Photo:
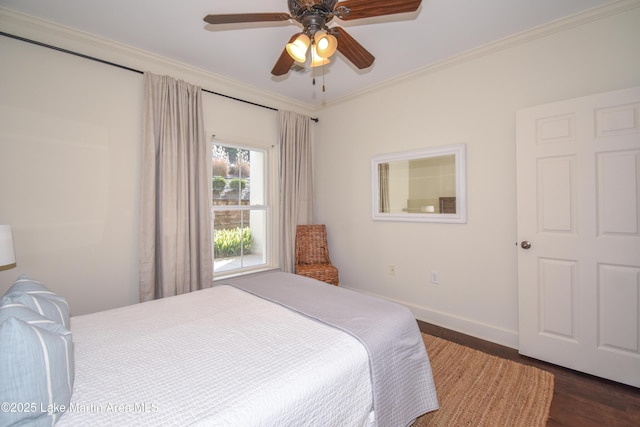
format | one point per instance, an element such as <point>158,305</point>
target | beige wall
<point>70,132</point>
<point>68,172</point>
<point>472,100</point>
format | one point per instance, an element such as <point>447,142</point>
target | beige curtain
<point>296,182</point>
<point>175,211</point>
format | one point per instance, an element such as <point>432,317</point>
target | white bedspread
<point>401,377</point>
<point>216,357</point>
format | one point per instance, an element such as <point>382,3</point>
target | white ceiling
<point>402,43</point>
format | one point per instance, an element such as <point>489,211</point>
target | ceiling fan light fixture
<point>298,48</point>
<point>325,44</point>
<point>317,60</point>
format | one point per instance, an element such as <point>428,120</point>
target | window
<point>241,219</point>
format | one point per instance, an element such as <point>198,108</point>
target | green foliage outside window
<point>229,242</point>
<point>218,183</point>
<point>237,184</point>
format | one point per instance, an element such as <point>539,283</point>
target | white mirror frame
<point>460,216</point>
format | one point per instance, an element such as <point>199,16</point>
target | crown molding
<point>50,33</point>
<point>595,14</point>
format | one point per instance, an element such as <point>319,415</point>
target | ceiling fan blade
<point>237,18</point>
<point>369,8</point>
<point>352,50</point>
<point>285,62</point>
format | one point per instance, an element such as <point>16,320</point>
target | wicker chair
<point>312,254</point>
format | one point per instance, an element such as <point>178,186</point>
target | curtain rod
<point>124,67</point>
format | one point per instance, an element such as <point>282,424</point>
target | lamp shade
<point>298,48</point>
<point>326,44</point>
<point>7,252</point>
<point>317,60</point>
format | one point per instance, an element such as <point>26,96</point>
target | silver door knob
<point>525,244</point>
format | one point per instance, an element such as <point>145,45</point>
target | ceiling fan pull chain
<point>323,77</point>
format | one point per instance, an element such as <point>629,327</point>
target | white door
<point>578,170</point>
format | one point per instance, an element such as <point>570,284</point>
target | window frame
<point>269,207</point>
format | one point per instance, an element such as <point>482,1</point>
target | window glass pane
<point>239,239</point>
<point>238,176</point>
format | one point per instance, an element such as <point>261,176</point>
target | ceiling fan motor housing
<point>313,23</point>
<point>298,8</point>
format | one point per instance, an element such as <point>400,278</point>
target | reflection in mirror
<point>426,185</point>
<point>431,181</point>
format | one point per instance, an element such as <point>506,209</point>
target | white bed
<point>247,353</point>
<point>233,360</point>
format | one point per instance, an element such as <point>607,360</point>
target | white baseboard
<point>465,326</point>
<point>457,323</point>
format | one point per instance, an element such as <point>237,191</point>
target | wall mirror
<point>427,185</point>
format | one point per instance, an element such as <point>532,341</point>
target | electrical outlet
<point>392,270</point>
<point>435,277</point>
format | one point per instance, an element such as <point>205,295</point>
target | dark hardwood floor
<point>579,400</point>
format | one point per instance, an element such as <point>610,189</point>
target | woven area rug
<point>477,389</point>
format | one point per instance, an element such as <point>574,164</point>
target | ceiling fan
<point>324,41</point>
